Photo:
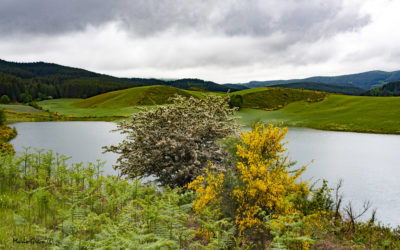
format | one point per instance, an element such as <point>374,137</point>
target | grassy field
<point>65,107</point>
<point>336,112</point>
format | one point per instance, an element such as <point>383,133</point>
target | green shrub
<point>174,143</point>
<point>4,99</point>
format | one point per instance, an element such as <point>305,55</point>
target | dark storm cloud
<point>300,19</point>
<point>52,16</point>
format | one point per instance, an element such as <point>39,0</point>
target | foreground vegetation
<point>45,203</point>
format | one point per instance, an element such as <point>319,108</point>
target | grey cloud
<point>302,19</point>
<point>52,16</point>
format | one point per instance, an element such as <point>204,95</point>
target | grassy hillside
<point>149,95</point>
<point>336,112</point>
<point>347,90</point>
<point>273,98</point>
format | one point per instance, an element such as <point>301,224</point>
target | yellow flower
<point>207,189</point>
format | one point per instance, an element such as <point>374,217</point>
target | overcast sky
<point>223,41</point>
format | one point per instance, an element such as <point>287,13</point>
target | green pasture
<point>336,112</point>
<point>65,107</point>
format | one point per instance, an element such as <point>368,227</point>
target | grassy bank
<point>336,112</point>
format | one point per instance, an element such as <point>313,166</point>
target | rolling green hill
<point>347,90</point>
<point>148,95</point>
<point>273,98</point>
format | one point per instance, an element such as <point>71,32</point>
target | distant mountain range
<point>340,89</point>
<point>39,80</point>
<point>367,80</point>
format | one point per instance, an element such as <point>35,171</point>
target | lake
<point>369,164</point>
<point>81,140</point>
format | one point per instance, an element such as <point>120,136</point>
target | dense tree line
<point>389,89</point>
<point>23,90</point>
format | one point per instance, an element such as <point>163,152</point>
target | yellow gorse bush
<point>6,134</point>
<point>6,148</point>
<point>262,144</point>
<point>266,181</point>
<point>207,189</point>
<point>265,192</point>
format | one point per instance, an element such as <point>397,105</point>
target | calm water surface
<point>369,164</point>
<point>81,140</point>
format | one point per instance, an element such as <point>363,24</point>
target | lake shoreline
<point>117,119</point>
<point>65,112</point>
